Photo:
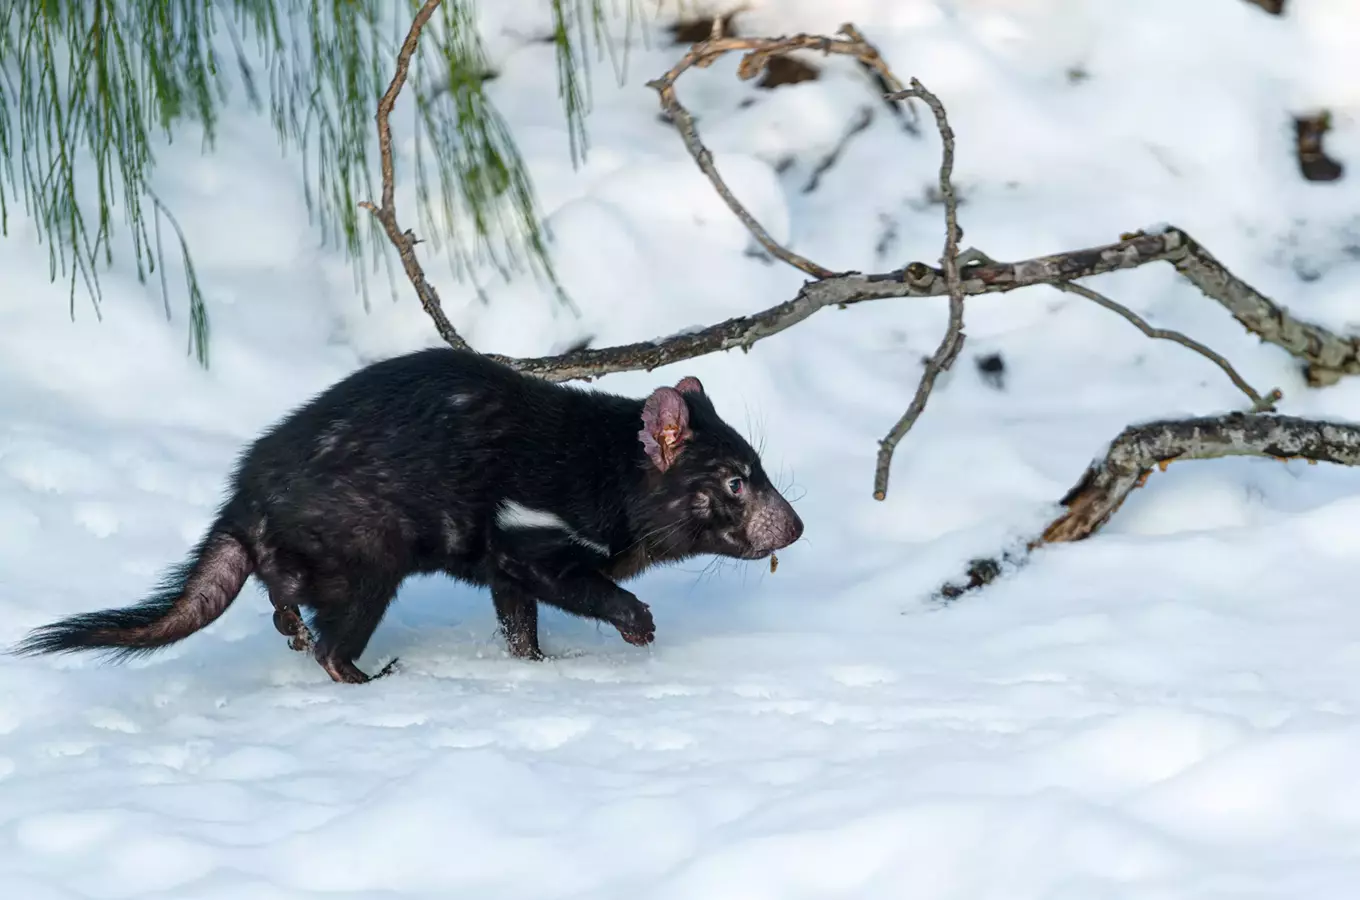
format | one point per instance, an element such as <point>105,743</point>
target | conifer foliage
<point>88,88</point>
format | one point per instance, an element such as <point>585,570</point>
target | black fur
<point>446,461</point>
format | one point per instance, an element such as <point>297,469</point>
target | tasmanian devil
<point>447,461</point>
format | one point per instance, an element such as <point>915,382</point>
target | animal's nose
<point>775,526</point>
<point>790,530</point>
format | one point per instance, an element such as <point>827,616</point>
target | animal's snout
<point>775,526</point>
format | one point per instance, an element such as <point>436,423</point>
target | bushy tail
<point>188,599</point>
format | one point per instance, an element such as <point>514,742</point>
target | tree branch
<point>405,241</point>
<point>1324,350</point>
<point>759,52</point>
<point>873,63</point>
<point>1258,403</point>
<point>1139,449</point>
<point>1329,356</point>
<point>953,339</point>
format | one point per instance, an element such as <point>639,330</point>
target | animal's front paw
<point>638,639</point>
<point>524,646</point>
<point>635,624</point>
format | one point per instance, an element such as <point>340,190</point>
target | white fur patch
<point>517,515</point>
<point>587,542</point>
<point>514,515</point>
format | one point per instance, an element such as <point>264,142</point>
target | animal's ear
<point>689,385</point>
<point>665,426</point>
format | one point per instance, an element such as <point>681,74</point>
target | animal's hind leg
<point>288,622</point>
<point>284,589</point>
<point>348,611</point>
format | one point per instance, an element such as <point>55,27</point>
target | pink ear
<point>689,385</point>
<point>665,426</point>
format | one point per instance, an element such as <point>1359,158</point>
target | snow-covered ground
<point>1170,710</point>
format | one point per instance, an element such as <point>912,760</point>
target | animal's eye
<point>736,486</point>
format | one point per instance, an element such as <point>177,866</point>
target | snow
<point>1168,711</point>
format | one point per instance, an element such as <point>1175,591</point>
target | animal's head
<point>714,496</point>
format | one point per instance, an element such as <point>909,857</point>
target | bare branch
<point>1323,349</point>
<point>405,241</point>
<point>759,52</point>
<point>1329,356</point>
<point>1258,403</point>
<point>1139,449</point>
<point>953,339</point>
<point>872,63</point>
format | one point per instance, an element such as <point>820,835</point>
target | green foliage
<point>85,85</point>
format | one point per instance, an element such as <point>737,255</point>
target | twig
<point>405,241</point>
<point>759,52</point>
<point>1258,403</point>
<point>883,75</point>
<point>1329,356</point>
<point>1139,449</point>
<point>953,339</point>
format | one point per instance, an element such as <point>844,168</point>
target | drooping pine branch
<point>88,88</point>
<point>84,90</point>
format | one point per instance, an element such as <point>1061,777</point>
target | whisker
<point>716,567</point>
<point>706,572</point>
<point>661,530</point>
